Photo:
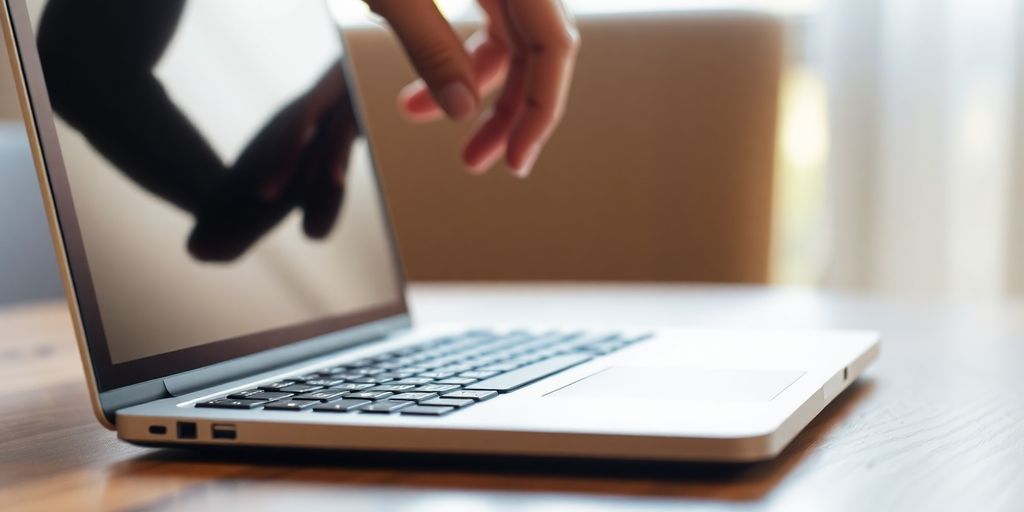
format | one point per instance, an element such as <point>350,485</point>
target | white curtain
<point>926,174</point>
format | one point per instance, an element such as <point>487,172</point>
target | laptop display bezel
<point>108,376</point>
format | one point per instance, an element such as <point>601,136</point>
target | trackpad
<point>741,385</point>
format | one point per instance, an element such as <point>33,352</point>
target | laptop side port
<point>222,431</point>
<point>157,430</point>
<point>186,430</point>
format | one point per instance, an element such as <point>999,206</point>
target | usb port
<point>221,431</point>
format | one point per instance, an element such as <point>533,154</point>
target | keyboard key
<point>344,405</point>
<point>324,395</point>
<point>265,396</point>
<point>416,381</point>
<point>478,375</point>
<point>394,388</point>
<point>529,374</point>
<point>227,403</point>
<point>449,402</point>
<point>300,388</point>
<point>436,375</point>
<point>458,381</point>
<point>372,380</point>
<point>436,388</point>
<point>346,375</point>
<point>385,406</point>
<point>351,386</point>
<point>395,375</point>
<point>369,395</point>
<point>456,368</point>
<point>415,397</point>
<point>291,405</point>
<point>479,396</point>
<point>423,410</point>
<point>308,376</point>
<point>277,386</point>
<point>323,382</point>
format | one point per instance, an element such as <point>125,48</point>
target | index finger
<point>435,51</point>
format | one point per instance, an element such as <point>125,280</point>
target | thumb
<point>435,51</point>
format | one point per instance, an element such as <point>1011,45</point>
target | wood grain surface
<point>937,423</point>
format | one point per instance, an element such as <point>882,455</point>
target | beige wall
<point>8,101</point>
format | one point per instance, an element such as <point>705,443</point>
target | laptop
<point>233,278</point>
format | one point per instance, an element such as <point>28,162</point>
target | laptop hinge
<point>235,369</point>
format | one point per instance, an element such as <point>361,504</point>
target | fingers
<point>488,52</point>
<point>531,45</point>
<point>488,143</point>
<point>550,42</point>
<point>435,51</point>
<point>489,58</point>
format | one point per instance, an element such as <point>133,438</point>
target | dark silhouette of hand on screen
<point>98,59</point>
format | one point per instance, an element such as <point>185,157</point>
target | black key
<point>449,402</point>
<point>351,386</point>
<point>277,386</point>
<point>458,381</point>
<point>394,388</point>
<point>385,406</point>
<point>324,395</point>
<point>528,374</point>
<point>436,388</point>
<point>479,396</point>
<point>343,375</point>
<point>265,396</point>
<point>423,410</point>
<point>372,380</point>
<point>227,403</point>
<point>344,405</point>
<point>415,380</point>
<point>246,393</point>
<point>368,395</point>
<point>415,397</point>
<point>300,388</point>
<point>324,382</point>
<point>478,375</point>
<point>394,375</point>
<point>291,405</point>
<point>436,375</point>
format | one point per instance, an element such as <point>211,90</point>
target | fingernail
<point>457,101</point>
<point>528,162</point>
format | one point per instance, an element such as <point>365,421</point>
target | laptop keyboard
<point>433,378</point>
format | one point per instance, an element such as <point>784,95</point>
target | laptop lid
<point>214,200</point>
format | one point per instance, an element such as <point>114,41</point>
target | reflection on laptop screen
<point>220,182</point>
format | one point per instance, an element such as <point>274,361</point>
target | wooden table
<point>938,423</point>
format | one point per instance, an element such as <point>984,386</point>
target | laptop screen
<point>220,197</point>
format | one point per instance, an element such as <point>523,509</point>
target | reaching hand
<point>528,47</point>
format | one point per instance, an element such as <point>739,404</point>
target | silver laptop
<point>234,280</point>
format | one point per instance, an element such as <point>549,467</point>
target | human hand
<point>528,48</point>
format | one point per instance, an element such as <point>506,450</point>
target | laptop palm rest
<point>682,384</point>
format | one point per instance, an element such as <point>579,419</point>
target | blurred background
<point>864,145</point>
